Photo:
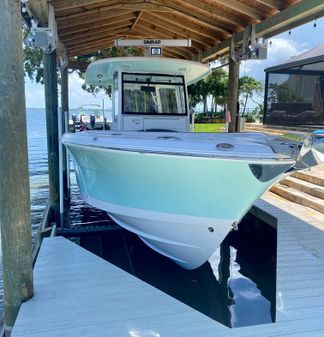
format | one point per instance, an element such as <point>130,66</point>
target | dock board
<point>79,294</point>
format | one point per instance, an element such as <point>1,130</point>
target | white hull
<point>187,240</point>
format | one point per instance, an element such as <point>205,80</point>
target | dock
<point>80,294</point>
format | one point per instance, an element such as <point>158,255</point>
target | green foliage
<point>281,93</point>
<point>215,85</point>
<point>33,61</point>
<point>248,86</point>
<point>250,117</point>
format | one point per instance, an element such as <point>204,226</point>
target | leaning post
<point>51,106</point>
<point>233,83</point>
<point>14,175</point>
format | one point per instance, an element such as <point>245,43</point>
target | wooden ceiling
<point>86,26</point>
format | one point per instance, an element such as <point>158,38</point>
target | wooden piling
<point>233,91</point>
<point>65,111</point>
<point>14,173</point>
<point>51,106</point>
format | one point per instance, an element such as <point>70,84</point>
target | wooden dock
<point>79,294</point>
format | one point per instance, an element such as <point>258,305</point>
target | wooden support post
<point>233,92</point>
<point>14,174</point>
<point>65,110</point>
<point>51,105</point>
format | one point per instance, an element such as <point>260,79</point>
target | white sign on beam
<point>153,42</point>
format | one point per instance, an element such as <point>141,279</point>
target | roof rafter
<point>302,12</point>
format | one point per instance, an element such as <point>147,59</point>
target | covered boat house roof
<point>294,91</point>
<point>86,26</point>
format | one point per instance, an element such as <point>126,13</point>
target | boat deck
<point>80,294</point>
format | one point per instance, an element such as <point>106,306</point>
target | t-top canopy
<point>101,72</point>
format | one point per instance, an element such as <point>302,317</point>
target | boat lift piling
<point>65,119</point>
<point>233,83</point>
<point>51,107</point>
<point>14,173</point>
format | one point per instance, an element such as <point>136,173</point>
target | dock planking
<point>80,294</point>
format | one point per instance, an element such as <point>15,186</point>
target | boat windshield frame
<point>183,99</point>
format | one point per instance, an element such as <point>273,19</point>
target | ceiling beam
<point>91,31</point>
<point>134,5</point>
<point>276,4</point>
<point>102,17</point>
<point>84,27</point>
<point>88,39</point>
<point>91,48</point>
<point>186,26</point>
<point>238,6</point>
<point>155,22</point>
<point>296,15</point>
<point>220,19</point>
<point>92,15</point>
<point>139,14</point>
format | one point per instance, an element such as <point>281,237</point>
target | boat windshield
<point>153,94</point>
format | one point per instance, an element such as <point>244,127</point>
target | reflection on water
<point>236,286</point>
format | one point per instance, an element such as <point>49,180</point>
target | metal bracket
<point>43,37</point>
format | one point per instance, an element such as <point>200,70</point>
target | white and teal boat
<point>181,192</point>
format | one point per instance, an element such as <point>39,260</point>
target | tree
<point>198,93</point>
<point>248,86</point>
<point>218,87</point>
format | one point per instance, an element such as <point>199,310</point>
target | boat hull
<point>181,206</point>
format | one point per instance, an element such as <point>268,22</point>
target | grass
<point>209,127</point>
<point>294,136</point>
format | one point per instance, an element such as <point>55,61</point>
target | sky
<point>282,47</point>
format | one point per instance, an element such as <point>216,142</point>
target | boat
<point>181,192</point>
<point>91,117</point>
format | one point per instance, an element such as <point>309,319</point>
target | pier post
<point>65,111</point>
<point>233,83</point>
<point>14,175</point>
<point>51,106</point>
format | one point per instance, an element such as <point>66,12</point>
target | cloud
<point>279,51</point>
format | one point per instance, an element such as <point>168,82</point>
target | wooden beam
<point>238,6</point>
<point>215,24</point>
<point>157,23</point>
<point>71,4</point>
<point>112,23</point>
<point>187,27</point>
<point>14,174</point>
<point>51,105</point>
<point>65,112</point>
<point>94,30</point>
<point>92,48</point>
<point>39,9</point>
<point>302,12</point>
<point>276,4</point>
<point>233,83</point>
<point>89,38</point>
<point>134,5</point>
<point>139,14</point>
<point>93,20</point>
<point>93,15</point>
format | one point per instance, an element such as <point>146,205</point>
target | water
<point>238,292</point>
